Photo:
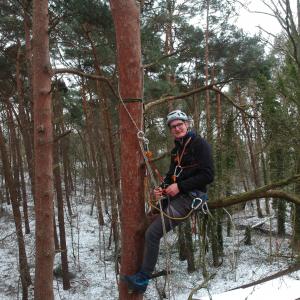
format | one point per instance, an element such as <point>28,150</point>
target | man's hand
<point>172,190</point>
<point>158,191</point>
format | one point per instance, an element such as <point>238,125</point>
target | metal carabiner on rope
<point>196,205</point>
<point>176,174</point>
<point>141,136</point>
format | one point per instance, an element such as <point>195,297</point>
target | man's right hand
<point>158,192</point>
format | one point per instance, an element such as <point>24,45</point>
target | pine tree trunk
<point>23,265</point>
<point>277,169</point>
<point>207,96</point>
<point>64,151</point>
<point>97,176</point>
<point>169,48</point>
<point>23,188</point>
<point>24,121</point>
<point>56,241</point>
<point>13,151</point>
<point>253,160</point>
<point>126,16</point>
<point>296,224</point>
<point>189,249</point>
<point>181,243</point>
<point>213,229</point>
<point>61,219</point>
<point>43,149</point>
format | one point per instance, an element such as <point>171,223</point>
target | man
<point>190,171</point>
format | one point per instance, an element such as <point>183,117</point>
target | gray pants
<point>179,206</point>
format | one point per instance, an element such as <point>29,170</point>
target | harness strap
<point>178,159</point>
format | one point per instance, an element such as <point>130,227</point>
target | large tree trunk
<point>43,149</point>
<point>126,19</point>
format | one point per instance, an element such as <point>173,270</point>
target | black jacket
<point>196,163</point>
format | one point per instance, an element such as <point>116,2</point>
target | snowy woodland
<point>85,86</point>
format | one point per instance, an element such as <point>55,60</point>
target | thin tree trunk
<point>207,98</point>
<point>23,188</point>
<point>56,241</point>
<point>13,152</point>
<point>24,269</point>
<point>91,143</point>
<point>181,243</point>
<point>253,160</point>
<point>189,249</point>
<point>43,149</point>
<point>26,130</point>
<point>61,219</point>
<point>64,150</point>
<point>168,48</point>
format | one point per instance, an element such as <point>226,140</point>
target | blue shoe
<point>137,282</point>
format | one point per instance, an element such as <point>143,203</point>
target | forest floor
<point>92,262</point>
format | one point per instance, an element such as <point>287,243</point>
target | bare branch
<point>262,192</point>
<point>82,74</point>
<point>148,66</point>
<point>211,87</point>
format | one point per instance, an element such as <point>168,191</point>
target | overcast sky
<point>250,21</point>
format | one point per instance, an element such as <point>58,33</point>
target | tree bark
<point>126,17</point>
<point>43,149</point>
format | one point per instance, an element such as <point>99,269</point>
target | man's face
<point>178,128</point>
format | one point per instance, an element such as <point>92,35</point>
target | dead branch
<point>82,74</point>
<point>211,87</point>
<point>61,135</point>
<point>199,287</point>
<point>290,269</point>
<point>261,192</point>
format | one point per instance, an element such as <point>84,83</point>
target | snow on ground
<point>286,287</point>
<point>93,264</point>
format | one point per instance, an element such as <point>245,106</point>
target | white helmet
<point>176,115</point>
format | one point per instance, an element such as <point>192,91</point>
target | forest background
<point>80,79</point>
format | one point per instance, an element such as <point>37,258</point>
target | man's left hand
<point>172,190</point>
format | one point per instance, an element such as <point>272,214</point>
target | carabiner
<point>196,205</point>
<point>175,171</point>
